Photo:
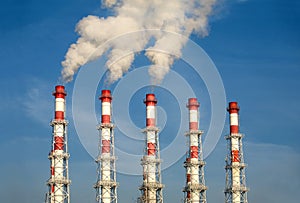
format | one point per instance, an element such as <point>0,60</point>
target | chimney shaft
<point>106,185</point>
<point>151,188</point>
<point>195,184</point>
<point>59,175</point>
<point>236,190</point>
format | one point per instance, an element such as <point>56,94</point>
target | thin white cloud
<point>37,102</point>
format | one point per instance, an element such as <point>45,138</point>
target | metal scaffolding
<point>195,189</point>
<point>59,190</point>
<point>106,185</point>
<point>235,186</point>
<point>151,189</point>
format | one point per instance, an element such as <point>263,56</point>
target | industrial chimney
<point>151,188</point>
<point>235,189</point>
<point>106,186</point>
<point>58,183</point>
<point>195,189</point>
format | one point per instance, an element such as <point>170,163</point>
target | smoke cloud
<point>177,16</point>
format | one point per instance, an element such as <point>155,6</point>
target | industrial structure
<point>58,182</point>
<point>151,189</point>
<point>106,185</point>
<point>195,189</point>
<point>235,189</point>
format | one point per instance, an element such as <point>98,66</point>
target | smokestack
<point>195,189</point>
<point>106,186</point>
<point>151,188</point>
<point>58,183</point>
<point>235,189</point>
<point>233,110</point>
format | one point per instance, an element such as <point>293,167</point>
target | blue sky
<point>255,46</point>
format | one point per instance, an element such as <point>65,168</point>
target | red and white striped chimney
<point>59,95</point>
<point>59,180</point>
<point>152,187</point>
<point>233,110</point>
<point>235,187</point>
<point>106,99</point>
<point>193,106</point>
<point>192,167</point>
<point>105,191</point>
<point>151,122</point>
<point>195,188</point>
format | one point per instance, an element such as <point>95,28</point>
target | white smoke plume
<point>177,16</point>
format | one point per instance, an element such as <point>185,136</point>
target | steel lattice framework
<point>151,189</point>
<point>235,187</point>
<point>195,189</point>
<point>59,191</point>
<point>106,185</point>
